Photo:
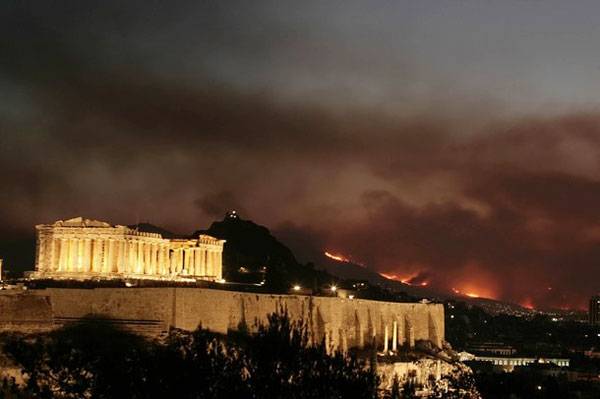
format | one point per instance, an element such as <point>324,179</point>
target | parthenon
<point>81,248</point>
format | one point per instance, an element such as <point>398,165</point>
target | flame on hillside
<point>338,257</point>
<point>527,304</point>
<point>471,293</point>
<point>405,280</point>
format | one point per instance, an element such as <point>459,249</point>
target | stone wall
<point>25,313</point>
<point>343,323</point>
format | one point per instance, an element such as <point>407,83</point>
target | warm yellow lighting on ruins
<point>221,281</point>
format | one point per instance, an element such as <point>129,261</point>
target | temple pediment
<point>80,222</point>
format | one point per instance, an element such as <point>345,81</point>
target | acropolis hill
<point>90,250</point>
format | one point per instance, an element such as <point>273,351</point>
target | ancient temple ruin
<point>82,249</point>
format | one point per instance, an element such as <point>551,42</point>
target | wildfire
<point>390,276</point>
<point>404,280</point>
<point>337,257</point>
<point>470,293</point>
<point>527,304</point>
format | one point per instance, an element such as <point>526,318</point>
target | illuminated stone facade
<point>81,248</point>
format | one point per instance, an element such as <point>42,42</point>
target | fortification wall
<point>25,313</point>
<point>343,323</point>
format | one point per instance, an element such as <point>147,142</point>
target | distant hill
<point>349,270</point>
<point>252,254</point>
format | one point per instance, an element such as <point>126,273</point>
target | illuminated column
<point>192,271</point>
<point>122,257</point>
<point>166,261</point>
<point>146,258</point>
<point>209,262</point>
<point>186,261</point>
<point>105,256</point>
<point>385,339</point>
<point>161,259</point>
<point>395,336</point>
<point>80,245</point>
<point>72,266</point>
<point>180,264</point>
<point>174,260</point>
<point>152,259</point>
<point>170,263</point>
<point>400,332</point>
<point>67,245</point>
<point>131,257</point>
<point>202,270</point>
<point>87,255</point>
<point>94,256</point>
<point>219,265</point>
<point>63,255</point>
<point>197,261</point>
<point>111,256</point>
<point>41,253</point>
<point>139,268</point>
<point>52,264</point>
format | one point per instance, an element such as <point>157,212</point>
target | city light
<point>297,287</point>
<point>333,288</point>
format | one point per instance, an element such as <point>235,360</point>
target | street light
<point>297,287</point>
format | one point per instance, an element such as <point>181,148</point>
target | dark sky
<point>458,141</point>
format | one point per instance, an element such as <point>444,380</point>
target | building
<point>510,362</point>
<point>495,348</point>
<point>594,310</point>
<point>82,249</point>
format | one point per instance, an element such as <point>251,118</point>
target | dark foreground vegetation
<point>96,360</point>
